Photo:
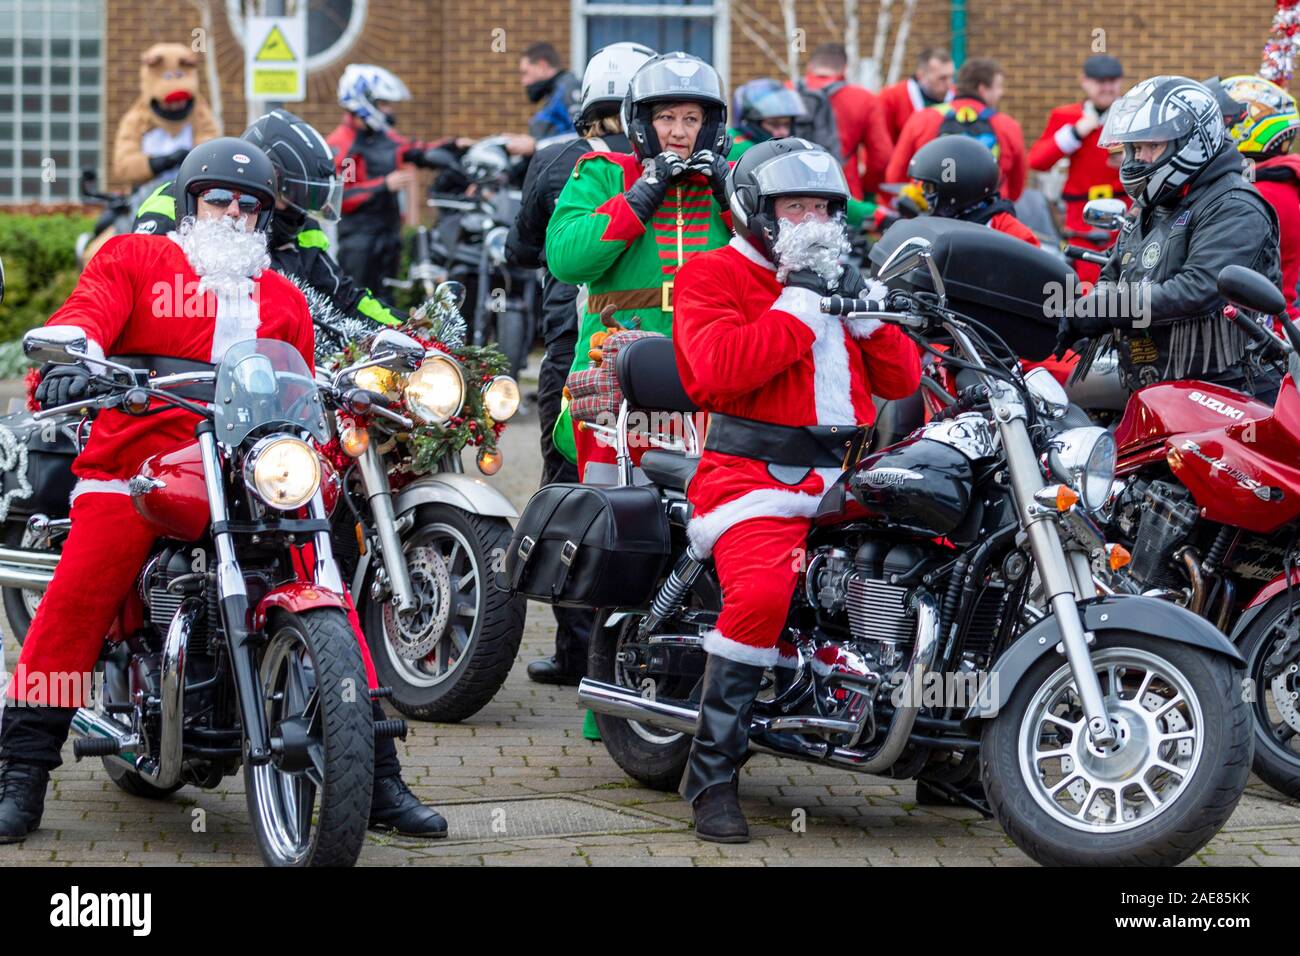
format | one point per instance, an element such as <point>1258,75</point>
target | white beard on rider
<point>222,254</point>
<point>810,246</point>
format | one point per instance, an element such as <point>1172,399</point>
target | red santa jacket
<point>898,102</point>
<point>1091,176</point>
<point>924,126</point>
<point>139,296</point>
<point>749,347</point>
<point>864,137</point>
<point>1283,194</point>
<point>1008,223</point>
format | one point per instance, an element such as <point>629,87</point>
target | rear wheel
<point>311,804</point>
<point>1272,652</point>
<point>19,603</point>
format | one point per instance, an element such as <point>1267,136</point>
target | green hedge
<point>40,262</point>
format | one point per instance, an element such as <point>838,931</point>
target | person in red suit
<point>973,111</point>
<point>859,116</point>
<point>188,297</point>
<point>755,352</point>
<point>1071,134</point>
<point>930,85</point>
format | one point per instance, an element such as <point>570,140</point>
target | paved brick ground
<point>491,774</point>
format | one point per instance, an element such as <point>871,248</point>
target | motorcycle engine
<point>1159,516</point>
<point>173,575</point>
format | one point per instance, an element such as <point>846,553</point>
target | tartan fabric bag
<point>594,395</point>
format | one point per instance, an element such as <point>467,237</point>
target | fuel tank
<point>1167,409</point>
<point>170,493</point>
<point>918,485</point>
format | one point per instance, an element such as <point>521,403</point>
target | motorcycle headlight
<point>436,390</point>
<point>284,472</point>
<point>495,241</point>
<point>376,379</point>
<point>501,397</point>
<point>1085,459</point>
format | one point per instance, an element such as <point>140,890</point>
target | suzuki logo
<point>1214,405</point>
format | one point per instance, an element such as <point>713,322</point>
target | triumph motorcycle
<point>235,650</point>
<point>1105,729</point>
<point>421,558</point>
<point>1208,504</point>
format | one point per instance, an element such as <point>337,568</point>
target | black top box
<point>1011,286</point>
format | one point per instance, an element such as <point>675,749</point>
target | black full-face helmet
<point>674,78</point>
<point>956,173</point>
<point>231,163</point>
<point>780,167</point>
<point>304,164</point>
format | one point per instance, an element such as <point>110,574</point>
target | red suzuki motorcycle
<point>235,648</point>
<point>1210,511</point>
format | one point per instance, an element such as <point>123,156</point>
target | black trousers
<point>572,625</point>
<point>370,253</point>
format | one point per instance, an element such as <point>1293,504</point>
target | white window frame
<point>719,11</point>
<point>315,61</point>
<point>73,144</point>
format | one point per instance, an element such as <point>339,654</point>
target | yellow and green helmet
<point>1271,119</point>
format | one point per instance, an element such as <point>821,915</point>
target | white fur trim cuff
<point>90,486</point>
<point>746,249</point>
<point>716,643</point>
<point>862,328</point>
<point>803,304</point>
<point>1066,141</point>
<point>705,530</point>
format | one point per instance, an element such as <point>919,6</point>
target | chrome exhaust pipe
<point>25,557</point>
<point>29,570</point>
<point>162,769</point>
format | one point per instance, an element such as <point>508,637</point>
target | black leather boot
<point>547,670</point>
<point>30,741</point>
<point>720,745</point>
<point>396,809</point>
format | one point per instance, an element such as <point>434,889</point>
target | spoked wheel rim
<point>288,788</point>
<point>448,580</point>
<point>1160,737</point>
<point>647,732</point>
<point>31,599</point>
<point>1277,692</point>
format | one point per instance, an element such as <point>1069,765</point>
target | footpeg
<point>379,693</point>
<point>95,747</point>
<point>390,728</point>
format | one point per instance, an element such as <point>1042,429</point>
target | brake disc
<point>413,634</point>
<point>1284,689</point>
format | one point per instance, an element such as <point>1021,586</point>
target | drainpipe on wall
<point>957,23</point>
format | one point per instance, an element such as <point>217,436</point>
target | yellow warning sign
<point>275,48</point>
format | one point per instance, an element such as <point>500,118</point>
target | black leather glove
<point>807,279</point>
<point>157,164</point>
<point>647,193</point>
<point>1082,321</point>
<point>715,169</point>
<point>852,282</point>
<point>62,384</point>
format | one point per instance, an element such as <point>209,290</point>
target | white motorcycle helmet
<point>606,78</point>
<point>362,86</point>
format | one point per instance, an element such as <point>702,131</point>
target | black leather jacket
<point>1170,256</point>
<point>547,174</point>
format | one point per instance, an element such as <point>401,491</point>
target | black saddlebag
<point>589,546</point>
<point>49,448</point>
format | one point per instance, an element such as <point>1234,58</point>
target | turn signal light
<point>1117,556</point>
<point>354,441</point>
<point>1059,497</point>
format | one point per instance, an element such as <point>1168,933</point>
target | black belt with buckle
<point>158,366</point>
<point>809,446</point>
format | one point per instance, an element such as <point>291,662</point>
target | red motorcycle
<point>1210,511</point>
<point>235,649</point>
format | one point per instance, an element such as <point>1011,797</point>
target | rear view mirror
<point>60,344</point>
<point>1105,214</point>
<point>1247,289</point>
<point>396,351</point>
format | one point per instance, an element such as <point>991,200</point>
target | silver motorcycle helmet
<point>607,77</point>
<point>1172,109</point>
<point>674,78</point>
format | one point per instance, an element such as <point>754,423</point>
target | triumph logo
<point>890,477</point>
<point>1214,405</point>
<point>75,910</point>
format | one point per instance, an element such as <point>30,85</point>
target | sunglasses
<point>249,205</point>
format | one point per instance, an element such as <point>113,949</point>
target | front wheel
<point>446,660</point>
<point>310,805</point>
<point>1177,768</point>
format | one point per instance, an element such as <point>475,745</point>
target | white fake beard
<point>810,247</point>
<point>225,257</point>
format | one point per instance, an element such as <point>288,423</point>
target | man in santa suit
<point>929,86</point>
<point>1072,132</point>
<point>776,376</point>
<point>179,300</point>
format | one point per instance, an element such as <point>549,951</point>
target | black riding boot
<point>394,807</point>
<point>30,741</point>
<point>721,742</point>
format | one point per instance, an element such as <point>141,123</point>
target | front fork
<point>374,481</point>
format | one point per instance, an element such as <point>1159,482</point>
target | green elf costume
<point>623,225</point>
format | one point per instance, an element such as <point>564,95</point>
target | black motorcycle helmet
<point>780,167</point>
<point>674,78</point>
<point>763,99</point>
<point>233,163</point>
<point>955,172</point>
<point>304,164</point>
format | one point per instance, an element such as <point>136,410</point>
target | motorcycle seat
<point>647,375</point>
<point>669,469</point>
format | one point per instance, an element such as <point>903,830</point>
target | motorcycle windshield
<point>265,382</point>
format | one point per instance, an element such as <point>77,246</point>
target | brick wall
<point>460,57</point>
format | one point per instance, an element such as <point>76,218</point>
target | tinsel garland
<point>437,324</point>
<point>1282,50</point>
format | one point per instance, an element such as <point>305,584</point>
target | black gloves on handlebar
<point>812,281</point>
<point>647,193</point>
<point>63,384</point>
<point>1080,323</point>
<point>159,164</point>
<point>714,168</point>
